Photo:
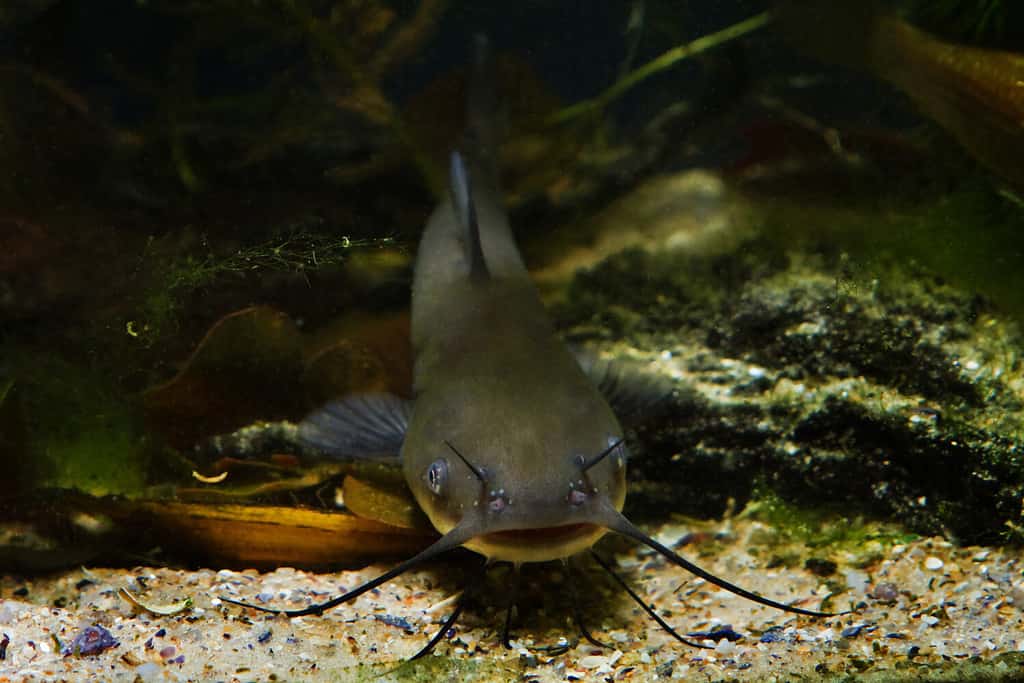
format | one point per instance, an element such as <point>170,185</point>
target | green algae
<point>302,248</point>
<point>1005,667</point>
<point>430,669</point>
<point>79,433</point>
<point>971,236</point>
<point>829,359</point>
<point>825,529</point>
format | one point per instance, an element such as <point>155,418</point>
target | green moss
<point>971,236</point>
<point>1005,667</point>
<point>300,248</point>
<point>823,529</point>
<point>431,669</point>
<point>79,433</point>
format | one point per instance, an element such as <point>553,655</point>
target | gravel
<point>921,609</point>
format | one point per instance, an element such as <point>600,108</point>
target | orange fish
<point>974,93</point>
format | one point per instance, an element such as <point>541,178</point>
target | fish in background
<point>974,93</point>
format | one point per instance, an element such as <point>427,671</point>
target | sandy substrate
<point>924,610</point>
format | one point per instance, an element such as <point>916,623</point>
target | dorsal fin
<point>465,212</point>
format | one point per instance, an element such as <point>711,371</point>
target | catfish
<point>508,446</point>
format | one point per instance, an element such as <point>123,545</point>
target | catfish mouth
<point>541,544</point>
<point>553,534</point>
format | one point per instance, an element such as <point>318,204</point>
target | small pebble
<point>399,622</point>
<point>168,652</point>
<point>885,592</point>
<point>933,564</point>
<point>820,566</point>
<point>91,641</point>
<point>148,672</point>
<point>723,632</point>
<point>593,661</point>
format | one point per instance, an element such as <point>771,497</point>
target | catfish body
<point>493,380</point>
<point>508,446</point>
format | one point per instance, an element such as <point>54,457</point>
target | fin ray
<point>367,426</point>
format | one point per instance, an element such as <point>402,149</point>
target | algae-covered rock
<point>889,393</point>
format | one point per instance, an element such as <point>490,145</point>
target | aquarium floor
<point>925,610</point>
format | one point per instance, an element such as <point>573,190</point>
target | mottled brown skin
<point>493,380</point>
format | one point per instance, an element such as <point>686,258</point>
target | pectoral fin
<point>370,426</point>
<point>631,391</point>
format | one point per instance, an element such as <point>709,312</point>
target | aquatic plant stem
<point>365,83</point>
<point>660,63</point>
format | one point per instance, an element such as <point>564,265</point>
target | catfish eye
<point>436,476</point>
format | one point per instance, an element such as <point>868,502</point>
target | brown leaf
<point>248,366</point>
<point>264,537</point>
<point>389,502</point>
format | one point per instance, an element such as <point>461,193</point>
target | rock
<point>897,397</point>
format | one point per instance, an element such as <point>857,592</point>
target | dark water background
<point>164,165</point>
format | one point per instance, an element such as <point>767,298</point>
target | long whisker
<point>449,541</point>
<point>619,524</point>
<point>477,472</point>
<point>460,604</point>
<point>647,608</point>
<point>513,596</point>
<point>577,612</point>
<point>449,623</point>
<point>601,456</point>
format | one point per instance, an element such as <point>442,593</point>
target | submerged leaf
<point>270,536</point>
<point>360,353</point>
<point>387,501</point>
<point>248,365</point>
<point>255,365</point>
<point>241,489</point>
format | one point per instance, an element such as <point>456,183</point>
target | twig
<point>407,40</point>
<point>660,63</point>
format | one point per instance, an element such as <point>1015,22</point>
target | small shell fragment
<point>162,610</point>
<point>216,479</point>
